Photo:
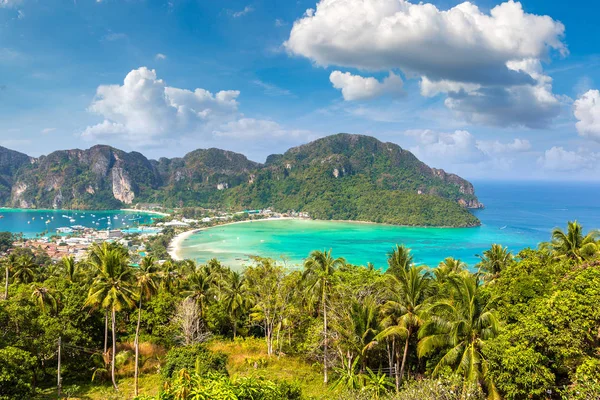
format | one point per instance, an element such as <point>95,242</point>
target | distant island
<point>339,177</point>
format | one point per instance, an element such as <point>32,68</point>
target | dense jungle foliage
<point>514,326</point>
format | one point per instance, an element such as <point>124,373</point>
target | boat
<point>1,216</point>
<point>504,227</point>
<point>71,219</point>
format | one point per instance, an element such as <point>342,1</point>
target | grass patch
<point>248,357</point>
<point>149,384</point>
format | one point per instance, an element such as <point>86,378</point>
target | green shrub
<point>194,358</point>
<point>16,373</point>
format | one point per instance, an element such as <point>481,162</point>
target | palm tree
<point>24,270</point>
<point>235,297</point>
<point>200,285</point>
<point>399,259</point>
<point>460,326</point>
<point>70,267</point>
<point>359,325</point>
<point>44,298</point>
<point>494,260</point>
<point>10,264</point>
<point>446,270</point>
<point>408,297</point>
<point>574,244</point>
<point>147,284</point>
<point>169,276</point>
<point>112,289</point>
<point>319,270</point>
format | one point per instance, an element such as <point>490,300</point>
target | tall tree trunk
<point>405,353</point>
<point>234,325</point>
<point>6,283</point>
<point>396,369</point>
<point>137,348</point>
<point>105,331</point>
<point>114,349</point>
<point>324,338</point>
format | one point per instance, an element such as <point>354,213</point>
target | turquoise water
<point>517,215</point>
<point>33,222</point>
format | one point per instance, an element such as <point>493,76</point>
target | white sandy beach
<point>175,245</point>
<point>145,211</point>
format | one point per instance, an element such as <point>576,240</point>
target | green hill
<point>343,176</point>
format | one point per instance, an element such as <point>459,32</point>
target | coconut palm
<point>319,270</point>
<point>147,285</point>
<point>10,264</point>
<point>44,298</point>
<point>235,296</point>
<point>358,325</point>
<point>460,326</point>
<point>24,270</point>
<point>112,289</point>
<point>574,244</point>
<point>445,271</point>
<point>169,276</point>
<point>399,259</point>
<point>200,285</point>
<point>69,268</point>
<point>408,296</point>
<point>494,260</point>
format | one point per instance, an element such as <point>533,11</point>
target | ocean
<point>516,214</point>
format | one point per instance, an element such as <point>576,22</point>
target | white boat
<point>71,219</point>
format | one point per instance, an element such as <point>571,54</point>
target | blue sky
<point>489,90</point>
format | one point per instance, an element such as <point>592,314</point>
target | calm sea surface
<point>517,215</point>
<point>33,222</point>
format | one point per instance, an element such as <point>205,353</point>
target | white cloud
<point>250,128</point>
<point>279,23</point>
<point>485,62</point>
<point>246,10</point>
<point>532,105</point>
<point>9,3</point>
<point>561,160</point>
<point>356,87</point>
<point>496,147</point>
<point>271,89</point>
<point>587,112</point>
<point>438,148</point>
<point>144,110</point>
<point>45,131</point>
<point>160,56</point>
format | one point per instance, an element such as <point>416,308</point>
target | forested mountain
<point>350,177</point>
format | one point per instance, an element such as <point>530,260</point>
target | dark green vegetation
<point>345,177</point>
<point>525,326</point>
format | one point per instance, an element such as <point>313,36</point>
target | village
<point>75,241</point>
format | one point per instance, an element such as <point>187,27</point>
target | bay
<point>517,215</point>
<point>40,222</point>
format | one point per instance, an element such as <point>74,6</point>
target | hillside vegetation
<point>524,326</point>
<point>345,177</point>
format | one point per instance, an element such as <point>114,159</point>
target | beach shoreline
<point>175,244</point>
<point>162,214</point>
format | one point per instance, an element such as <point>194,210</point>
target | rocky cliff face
<point>100,177</point>
<point>10,162</point>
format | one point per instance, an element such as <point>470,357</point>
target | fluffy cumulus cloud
<point>560,160</point>
<point>587,112</point>
<point>356,87</point>
<point>483,62</point>
<point>145,110</point>
<point>496,147</point>
<point>453,149</point>
<point>440,148</point>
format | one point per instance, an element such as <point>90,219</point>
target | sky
<point>486,89</point>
